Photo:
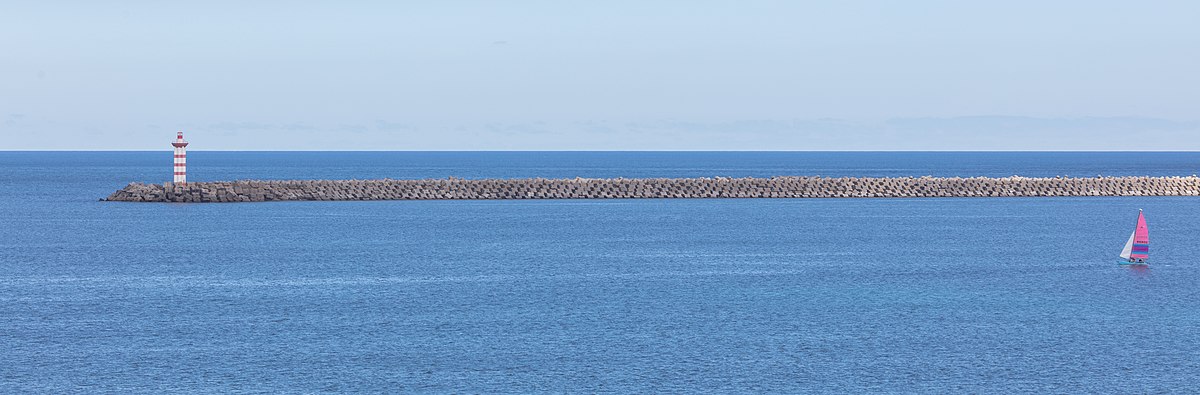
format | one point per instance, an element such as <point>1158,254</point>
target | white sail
<point>1128,247</point>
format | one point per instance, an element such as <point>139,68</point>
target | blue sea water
<point>707,295</point>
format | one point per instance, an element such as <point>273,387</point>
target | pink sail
<point>1141,239</point>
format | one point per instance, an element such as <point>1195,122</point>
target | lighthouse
<point>180,158</point>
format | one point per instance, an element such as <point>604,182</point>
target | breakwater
<point>654,188</point>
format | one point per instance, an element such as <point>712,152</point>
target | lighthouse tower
<point>180,159</point>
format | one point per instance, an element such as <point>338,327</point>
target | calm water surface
<point>769,295</point>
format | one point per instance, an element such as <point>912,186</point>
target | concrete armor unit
<point>661,188</point>
<point>180,159</point>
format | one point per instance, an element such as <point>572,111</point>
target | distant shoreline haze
<point>918,134</point>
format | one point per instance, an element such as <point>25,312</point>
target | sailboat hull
<point>1133,263</point>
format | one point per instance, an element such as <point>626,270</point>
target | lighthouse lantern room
<point>180,158</point>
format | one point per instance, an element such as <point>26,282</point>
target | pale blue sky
<point>602,75</point>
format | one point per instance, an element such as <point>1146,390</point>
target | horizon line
<point>572,150</point>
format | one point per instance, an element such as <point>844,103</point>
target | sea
<point>927,295</point>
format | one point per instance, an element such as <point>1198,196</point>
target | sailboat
<point>1137,249</point>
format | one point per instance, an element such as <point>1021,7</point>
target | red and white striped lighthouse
<point>180,159</point>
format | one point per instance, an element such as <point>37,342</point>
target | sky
<point>601,75</point>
